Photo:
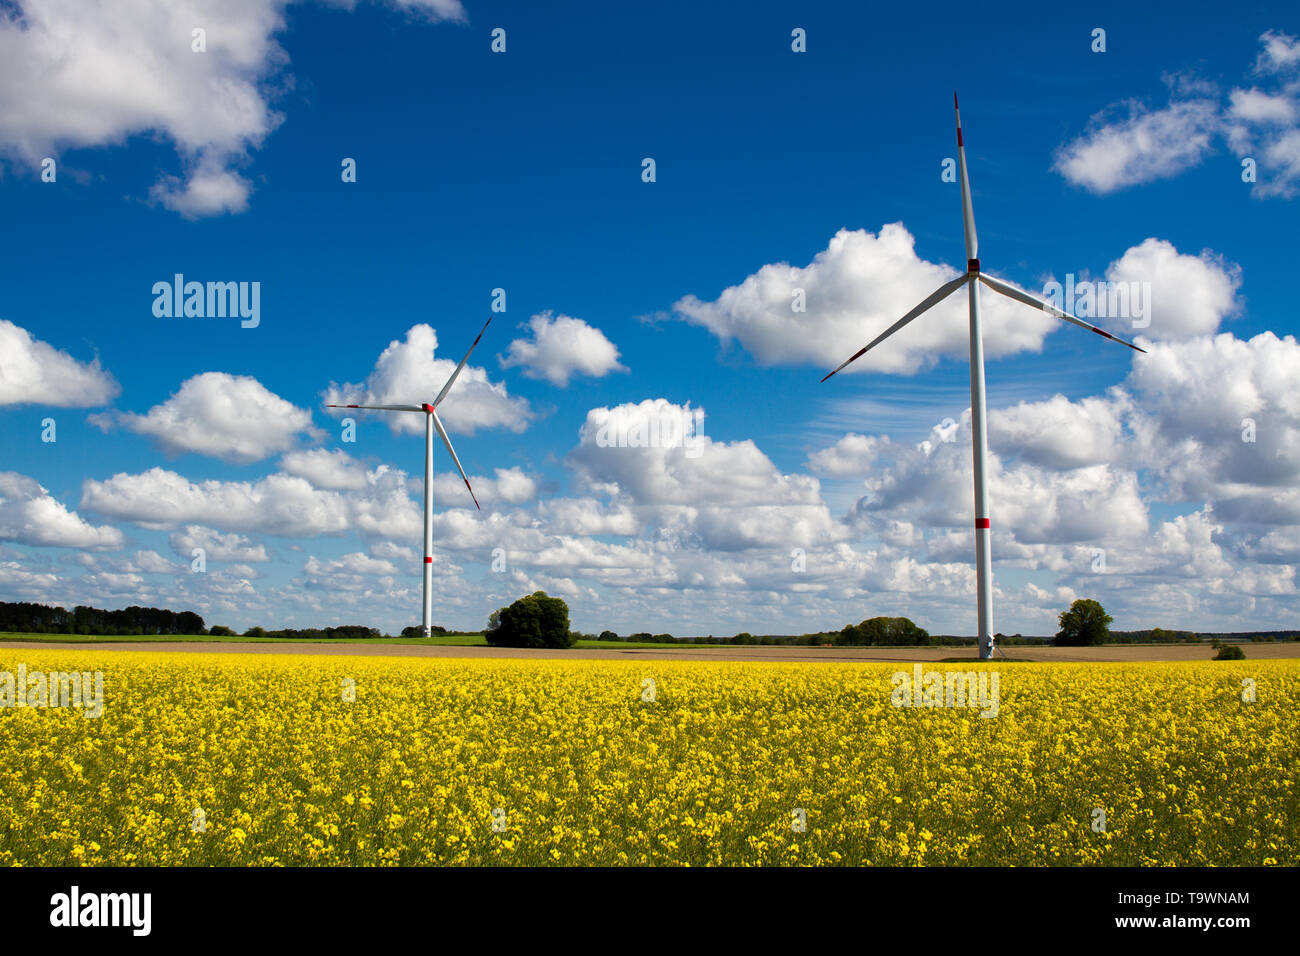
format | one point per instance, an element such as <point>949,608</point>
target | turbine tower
<point>979,431</point>
<point>431,422</point>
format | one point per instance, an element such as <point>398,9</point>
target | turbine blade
<point>446,388</point>
<point>967,210</point>
<point>938,295</point>
<point>383,408</point>
<point>437,423</point>
<point>1011,292</point>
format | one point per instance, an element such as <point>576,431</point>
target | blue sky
<point>522,171</point>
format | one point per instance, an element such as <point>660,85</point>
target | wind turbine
<point>979,438</point>
<point>431,422</point>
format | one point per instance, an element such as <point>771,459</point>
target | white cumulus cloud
<point>231,417</point>
<point>562,347</point>
<point>1258,123</point>
<point>1142,147</point>
<point>852,291</point>
<point>33,372</point>
<point>216,546</point>
<point>510,486</point>
<point>76,74</point>
<point>334,470</point>
<point>277,504</point>
<point>1189,295</point>
<point>31,515</point>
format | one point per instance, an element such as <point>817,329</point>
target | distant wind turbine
<point>979,438</point>
<point>431,421</point>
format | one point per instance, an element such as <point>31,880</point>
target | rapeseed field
<point>266,760</point>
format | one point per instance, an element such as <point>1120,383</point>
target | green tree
<point>1085,624</point>
<point>901,631</point>
<point>187,622</point>
<point>533,621</point>
<point>608,636</point>
<point>220,630</point>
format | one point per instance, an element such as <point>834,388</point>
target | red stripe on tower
<point>428,560</point>
<point>981,522</point>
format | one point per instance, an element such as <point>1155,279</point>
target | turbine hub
<point>427,407</point>
<point>972,267</point>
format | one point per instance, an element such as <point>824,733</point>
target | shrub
<point>417,630</point>
<point>1228,652</point>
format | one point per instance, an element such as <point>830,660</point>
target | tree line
<point>539,620</point>
<point>21,616</point>
<point>29,618</point>
<point>309,633</point>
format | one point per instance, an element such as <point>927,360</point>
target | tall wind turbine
<point>979,439</point>
<point>431,421</point>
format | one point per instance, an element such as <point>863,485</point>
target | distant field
<point>473,646</point>
<point>269,759</point>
